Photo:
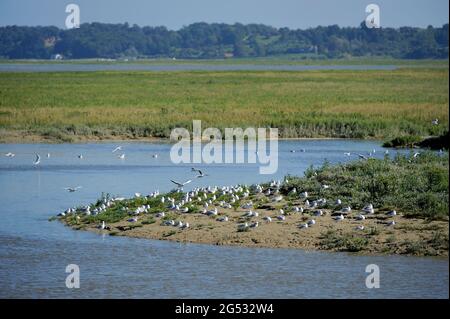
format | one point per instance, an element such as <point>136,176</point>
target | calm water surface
<point>35,252</point>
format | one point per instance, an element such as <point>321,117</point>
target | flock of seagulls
<point>121,156</point>
<point>37,161</point>
<point>215,201</point>
<point>361,156</point>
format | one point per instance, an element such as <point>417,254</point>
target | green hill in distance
<point>218,40</point>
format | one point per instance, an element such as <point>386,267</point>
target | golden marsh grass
<point>343,103</point>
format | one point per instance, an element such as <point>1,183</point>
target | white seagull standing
<point>243,227</point>
<point>311,222</point>
<point>391,213</point>
<point>368,209</point>
<point>267,219</point>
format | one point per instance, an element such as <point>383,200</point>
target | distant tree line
<point>203,40</point>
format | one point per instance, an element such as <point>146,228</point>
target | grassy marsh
<point>68,106</point>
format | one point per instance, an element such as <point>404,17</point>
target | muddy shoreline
<point>22,137</point>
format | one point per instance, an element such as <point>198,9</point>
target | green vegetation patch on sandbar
<point>417,186</point>
<point>353,104</point>
<point>411,141</point>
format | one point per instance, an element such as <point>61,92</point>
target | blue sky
<point>176,13</point>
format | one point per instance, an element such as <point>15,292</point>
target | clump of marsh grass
<point>407,141</point>
<point>346,242</point>
<point>416,186</point>
<point>149,221</point>
<point>169,233</point>
<point>439,240</point>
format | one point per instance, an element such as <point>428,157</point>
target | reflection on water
<point>35,252</point>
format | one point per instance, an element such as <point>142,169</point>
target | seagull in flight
<point>347,153</point>
<point>122,156</point>
<point>200,173</point>
<point>37,160</point>
<point>72,189</point>
<point>180,185</point>
<point>362,156</point>
<point>10,154</point>
<point>118,148</point>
